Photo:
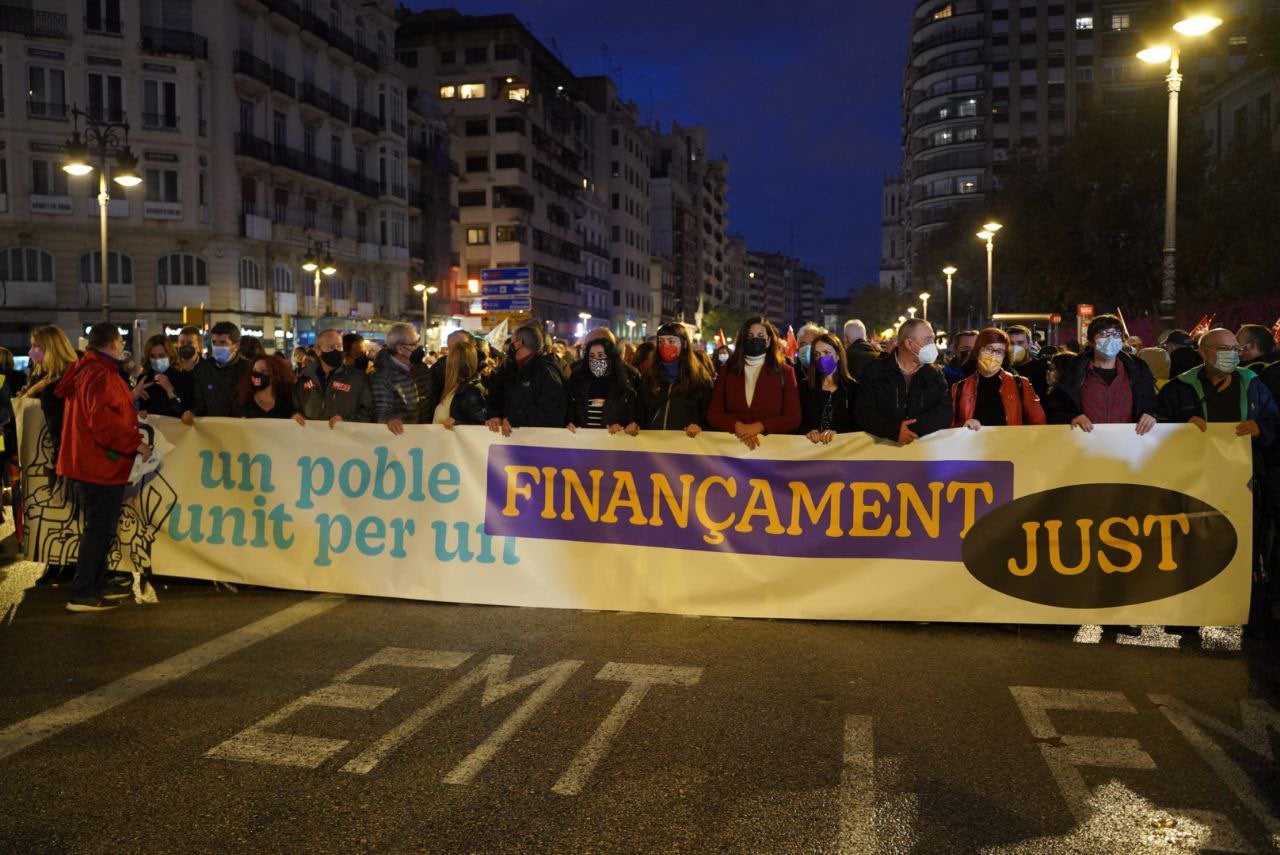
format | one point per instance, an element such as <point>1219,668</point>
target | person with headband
<point>675,387</point>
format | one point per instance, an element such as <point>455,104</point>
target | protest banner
<point>1020,524</point>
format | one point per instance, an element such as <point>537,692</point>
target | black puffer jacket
<point>214,386</point>
<point>529,395</point>
<point>667,408</point>
<point>469,405</point>
<point>621,405</point>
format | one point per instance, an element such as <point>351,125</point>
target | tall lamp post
<point>924,298</point>
<point>315,263</point>
<point>631,328</point>
<point>988,234</point>
<point>949,271</point>
<point>101,136</point>
<point>426,291</point>
<point>1198,25</point>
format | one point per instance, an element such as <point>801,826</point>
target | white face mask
<point>928,354</point>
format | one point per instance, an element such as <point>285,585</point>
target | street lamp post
<point>911,310</point>
<point>1191,27</point>
<point>631,328</point>
<point>924,298</point>
<point>426,291</point>
<point>315,263</point>
<point>949,271</point>
<point>988,234</point>
<point>102,136</point>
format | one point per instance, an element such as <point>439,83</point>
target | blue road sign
<point>507,304</point>
<point>504,274</point>
<point>506,289</point>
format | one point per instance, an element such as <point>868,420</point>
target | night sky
<point>804,98</point>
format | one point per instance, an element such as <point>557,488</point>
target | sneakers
<point>117,593</point>
<point>95,605</point>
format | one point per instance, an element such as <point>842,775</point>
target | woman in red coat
<point>755,391</point>
<point>991,395</point>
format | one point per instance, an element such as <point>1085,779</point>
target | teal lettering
<point>399,529</point>
<point>327,545</point>
<point>462,551</point>
<point>207,480</point>
<point>308,488</point>
<point>361,471</point>
<point>384,468</point>
<point>415,466</point>
<point>444,475</point>
<point>371,534</point>
<point>218,516</point>
<point>193,532</point>
<point>246,470</point>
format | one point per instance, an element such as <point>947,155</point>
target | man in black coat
<point>1104,385</point>
<point>1026,363</point>
<point>904,396</point>
<point>528,390</point>
<point>214,381</point>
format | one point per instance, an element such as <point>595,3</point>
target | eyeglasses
<point>993,351</point>
<point>1110,334</point>
<point>1228,348</point>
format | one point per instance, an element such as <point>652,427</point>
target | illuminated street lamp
<point>102,136</point>
<point>316,264</point>
<point>911,311</point>
<point>1193,27</point>
<point>631,328</point>
<point>949,271</point>
<point>924,298</point>
<point>988,234</point>
<point>426,291</point>
<point>473,286</point>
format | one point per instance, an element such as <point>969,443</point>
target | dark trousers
<point>100,507</point>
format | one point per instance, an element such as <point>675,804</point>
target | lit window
<point>1084,22</point>
<point>967,184</point>
<point>966,134</point>
<point>471,90</point>
<point>1236,41</point>
<point>942,138</point>
<point>519,93</point>
<point>1119,22</point>
<point>967,108</point>
<point>448,91</point>
<point>477,235</point>
<point>945,12</point>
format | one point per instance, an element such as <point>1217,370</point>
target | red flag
<point>1206,323</point>
<point>720,337</point>
<point>1275,331</point>
<point>791,346</point>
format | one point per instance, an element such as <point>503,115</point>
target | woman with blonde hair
<point>51,355</point>
<point>462,400</point>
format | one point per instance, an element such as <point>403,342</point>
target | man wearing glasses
<point>1222,391</point>
<point>1105,385</point>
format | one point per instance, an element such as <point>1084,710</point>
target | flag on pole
<point>1205,324</point>
<point>720,336</point>
<point>791,346</point>
<point>498,335</point>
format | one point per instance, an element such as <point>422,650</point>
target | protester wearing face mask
<point>217,379</point>
<point>403,391</point>
<point>1025,361</point>
<point>904,396</point>
<point>1104,385</point>
<point>804,352</point>
<point>961,364</point>
<point>528,390</point>
<point>266,392</point>
<point>723,352</point>
<point>676,387</point>
<point>332,391</point>
<point>1221,391</point>
<point>154,392</point>
<point>601,391</point>
<point>187,356</point>
<point>756,393</point>
<point>439,366</point>
<point>827,393</point>
<point>992,396</point>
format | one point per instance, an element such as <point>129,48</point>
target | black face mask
<point>755,346</point>
<point>259,379</point>
<point>332,358</point>
<point>361,363</point>
<point>417,356</point>
<point>186,352</point>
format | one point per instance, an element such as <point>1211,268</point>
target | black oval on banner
<point>1099,545</point>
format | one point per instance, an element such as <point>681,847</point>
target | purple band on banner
<point>803,509</point>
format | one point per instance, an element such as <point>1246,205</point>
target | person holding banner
<point>528,390</point>
<point>1104,385</point>
<point>100,439</point>
<point>215,380</point>
<point>992,395</point>
<point>267,390</point>
<point>331,390</point>
<point>464,399</point>
<point>676,387</point>
<point>904,396</point>
<point>601,391</point>
<point>756,392</point>
<point>1221,391</point>
<point>402,390</point>
<point>827,392</point>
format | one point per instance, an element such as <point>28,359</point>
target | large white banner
<point>1021,524</point>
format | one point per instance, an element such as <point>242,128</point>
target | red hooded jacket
<point>100,426</point>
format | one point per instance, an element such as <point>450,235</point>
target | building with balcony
<point>894,274</point>
<point>259,126</point>
<point>523,153</point>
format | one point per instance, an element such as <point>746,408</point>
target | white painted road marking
<point>29,731</point>
<point>642,678</point>
<point>858,788</point>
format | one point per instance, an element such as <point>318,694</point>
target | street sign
<point>504,274</point>
<point>507,304</point>
<point>509,289</point>
<point>1084,310</point>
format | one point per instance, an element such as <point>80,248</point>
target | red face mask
<point>669,352</point>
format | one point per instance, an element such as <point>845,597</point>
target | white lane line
<point>29,731</point>
<point>858,788</point>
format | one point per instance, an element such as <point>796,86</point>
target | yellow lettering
<point>517,490</point>
<point>1165,522</point>
<point>625,495</point>
<point>909,498</point>
<point>549,493</point>
<point>1106,538</point>
<point>662,492</point>
<point>802,499</point>
<point>713,527</point>
<point>970,491</point>
<point>573,486</point>
<point>1054,529</point>
<point>861,508</point>
<point>760,504</point>
<point>1032,558</point>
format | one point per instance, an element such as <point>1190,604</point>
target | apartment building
<point>261,128</point>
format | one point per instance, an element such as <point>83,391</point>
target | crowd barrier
<point>1016,525</point>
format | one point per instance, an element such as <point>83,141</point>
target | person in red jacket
<point>991,395</point>
<point>755,391</point>
<point>99,441</point>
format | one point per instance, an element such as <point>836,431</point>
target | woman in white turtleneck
<point>755,391</point>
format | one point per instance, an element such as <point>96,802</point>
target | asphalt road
<point>264,720</point>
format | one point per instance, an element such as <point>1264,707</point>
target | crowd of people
<point>827,384</point>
